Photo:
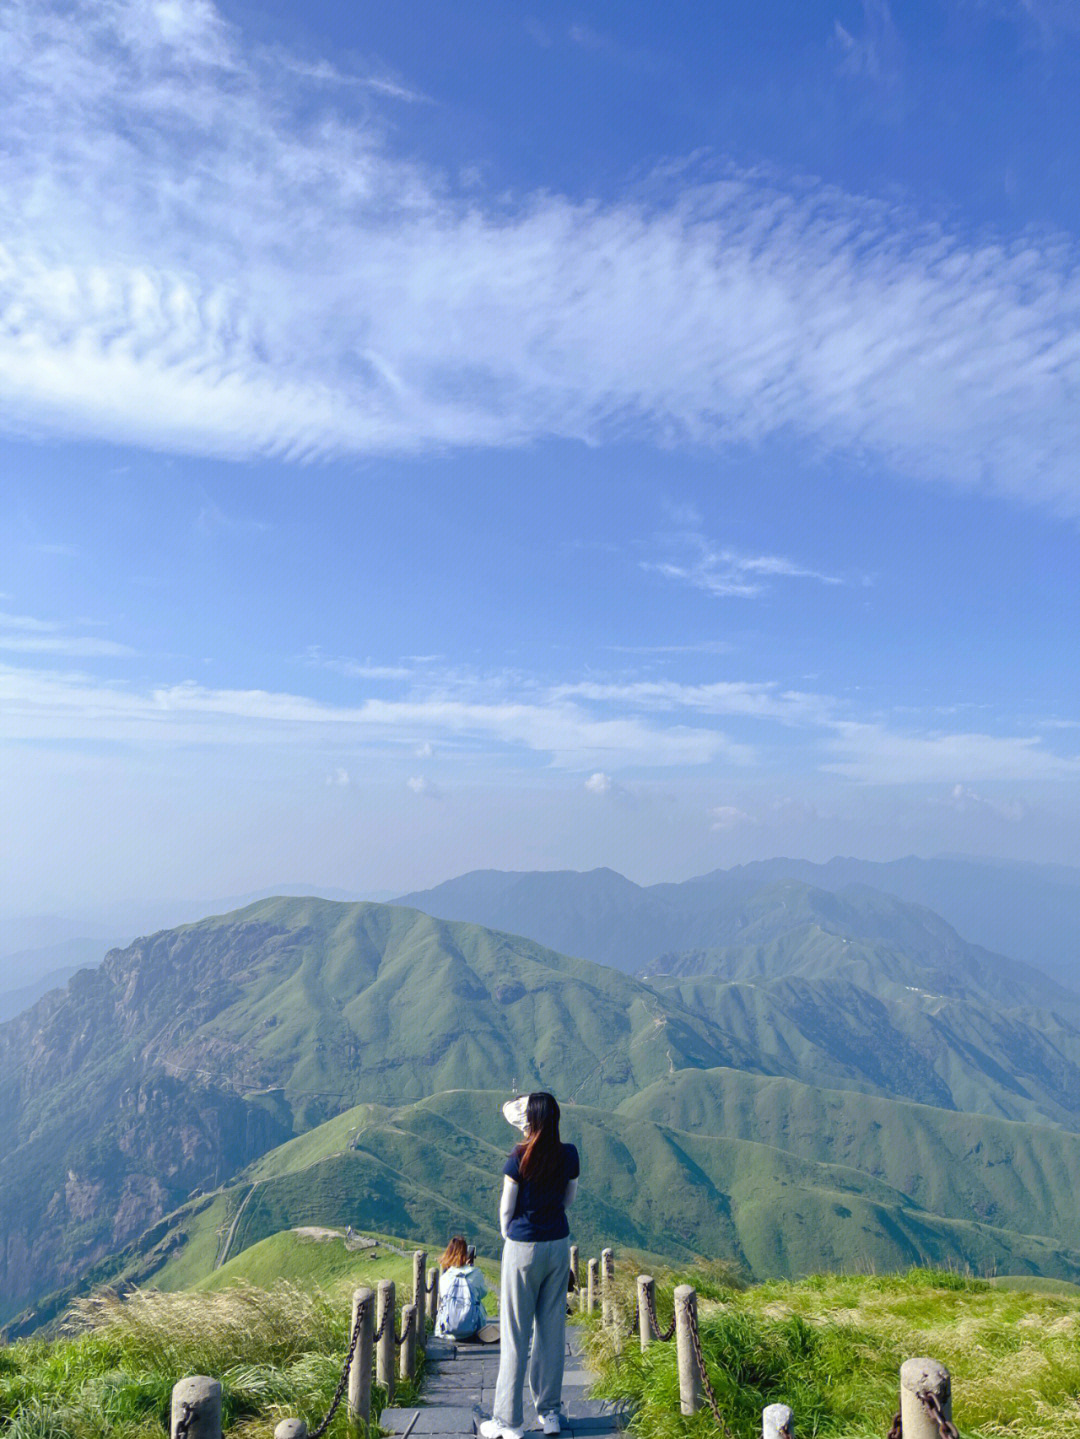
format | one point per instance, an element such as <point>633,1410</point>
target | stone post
<point>291,1429</point>
<point>607,1287</point>
<point>594,1274</point>
<point>419,1294</point>
<point>408,1344</point>
<point>384,1350</point>
<point>575,1268</point>
<point>433,1294</point>
<point>363,1307</point>
<point>646,1299</point>
<point>689,1378</point>
<point>777,1422</point>
<point>923,1376</point>
<point>202,1397</point>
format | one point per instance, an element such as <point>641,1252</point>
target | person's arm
<point>571,1194</point>
<point>507,1204</point>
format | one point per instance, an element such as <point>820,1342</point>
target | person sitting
<point>461,1291</point>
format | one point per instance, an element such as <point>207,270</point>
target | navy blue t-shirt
<point>539,1213</point>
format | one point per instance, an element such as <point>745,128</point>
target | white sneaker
<point>495,1429</point>
<point>552,1423</point>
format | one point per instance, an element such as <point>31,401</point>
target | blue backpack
<point>460,1314</point>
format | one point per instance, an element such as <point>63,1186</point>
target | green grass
<point>277,1351</point>
<point>831,1347</point>
<point>324,1264</point>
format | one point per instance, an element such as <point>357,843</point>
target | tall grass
<point>277,1352</point>
<point>832,1346</point>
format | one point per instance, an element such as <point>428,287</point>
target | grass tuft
<point>831,1347</point>
<point>277,1351</point>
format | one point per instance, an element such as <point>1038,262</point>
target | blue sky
<point>449,436</point>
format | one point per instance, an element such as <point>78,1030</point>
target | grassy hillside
<point>277,1351</point>
<point>1017,1176</point>
<point>954,1053</point>
<point>434,1167</point>
<point>831,1347</point>
<point>190,1052</point>
<point>607,918</point>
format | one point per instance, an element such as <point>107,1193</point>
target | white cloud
<point>874,755</point>
<point>338,778</point>
<point>598,783</point>
<point>25,634</point>
<point>42,705</point>
<point>420,784</point>
<point>728,816</point>
<point>357,669</point>
<point>965,799</point>
<point>425,750</point>
<point>875,53</point>
<point>720,697</point>
<point>200,252</point>
<point>723,572</point>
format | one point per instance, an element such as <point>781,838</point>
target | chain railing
<point>945,1427</point>
<point>650,1304</point>
<point>703,1373</point>
<point>925,1385</point>
<point>339,1393</point>
<point>408,1324</point>
<point>196,1400</point>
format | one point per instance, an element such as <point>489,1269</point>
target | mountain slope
<point>995,1171</point>
<point>1030,911</point>
<point>607,918</point>
<point>186,1054</point>
<point>435,1166</point>
<point>189,1054</point>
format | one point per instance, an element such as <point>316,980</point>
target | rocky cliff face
<point>101,1133</point>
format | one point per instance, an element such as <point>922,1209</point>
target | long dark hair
<point>540,1158</point>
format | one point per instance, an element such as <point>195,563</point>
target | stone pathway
<point>459,1386</point>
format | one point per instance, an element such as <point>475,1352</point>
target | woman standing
<point>539,1181</point>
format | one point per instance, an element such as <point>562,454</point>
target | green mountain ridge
<point>435,1167</point>
<point>1029,912</point>
<point>191,1051</point>
<point>229,1054</point>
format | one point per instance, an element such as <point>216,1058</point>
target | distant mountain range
<point>1029,912</point>
<point>811,1079</point>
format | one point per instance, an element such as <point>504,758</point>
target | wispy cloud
<point>966,800</point>
<point>701,647</point>
<point>64,706</point>
<point>721,571</point>
<point>874,754</point>
<point>204,251</point>
<point>212,519</point>
<point>26,634</point>
<point>358,669</point>
<point>874,51</point>
<point>599,728</point>
<point>322,72</point>
<point>728,816</point>
<point>719,697</point>
<point>420,784</point>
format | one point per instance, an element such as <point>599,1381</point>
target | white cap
<point>514,1111</point>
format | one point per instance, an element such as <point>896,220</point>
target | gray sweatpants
<point>532,1302</point>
